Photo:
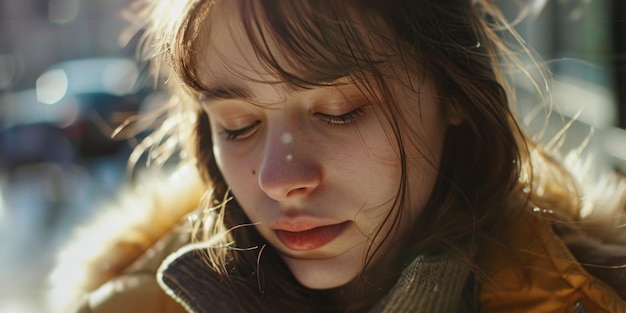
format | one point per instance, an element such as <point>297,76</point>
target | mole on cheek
<point>253,172</point>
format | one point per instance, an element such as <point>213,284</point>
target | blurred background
<point>68,77</point>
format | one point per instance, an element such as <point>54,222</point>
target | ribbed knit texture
<point>187,279</point>
<point>429,284</point>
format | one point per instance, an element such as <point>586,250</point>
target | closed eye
<point>342,119</point>
<point>241,133</point>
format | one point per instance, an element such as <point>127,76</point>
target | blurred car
<point>71,112</point>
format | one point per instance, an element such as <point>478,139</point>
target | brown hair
<point>486,169</point>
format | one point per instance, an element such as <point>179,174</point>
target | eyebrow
<point>225,93</point>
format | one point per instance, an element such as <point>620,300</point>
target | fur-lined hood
<point>122,232</point>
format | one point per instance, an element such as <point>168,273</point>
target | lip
<point>307,235</point>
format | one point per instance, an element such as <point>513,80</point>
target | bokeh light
<point>51,86</point>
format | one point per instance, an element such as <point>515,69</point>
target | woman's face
<point>315,170</point>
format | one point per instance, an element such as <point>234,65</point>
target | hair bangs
<point>308,43</point>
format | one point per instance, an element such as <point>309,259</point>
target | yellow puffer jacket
<point>537,273</point>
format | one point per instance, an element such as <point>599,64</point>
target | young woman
<point>354,156</point>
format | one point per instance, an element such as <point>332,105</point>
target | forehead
<point>288,42</point>
<point>223,49</point>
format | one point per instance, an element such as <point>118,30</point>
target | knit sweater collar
<point>428,284</point>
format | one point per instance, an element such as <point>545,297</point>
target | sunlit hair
<point>485,177</point>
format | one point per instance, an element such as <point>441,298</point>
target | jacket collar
<point>429,284</point>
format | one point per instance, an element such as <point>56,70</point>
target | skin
<point>322,156</point>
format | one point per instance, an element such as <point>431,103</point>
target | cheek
<point>238,170</point>
<point>378,172</point>
<point>423,163</point>
<point>422,148</point>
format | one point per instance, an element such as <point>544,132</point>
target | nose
<point>288,169</point>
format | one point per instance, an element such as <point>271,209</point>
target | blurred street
<point>67,78</point>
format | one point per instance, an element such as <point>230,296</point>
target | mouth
<point>310,239</point>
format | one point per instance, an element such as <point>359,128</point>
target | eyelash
<point>342,119</point>
<point>241,132</point>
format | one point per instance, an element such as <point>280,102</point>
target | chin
<point>323,274</point>
<point>320,283</point>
